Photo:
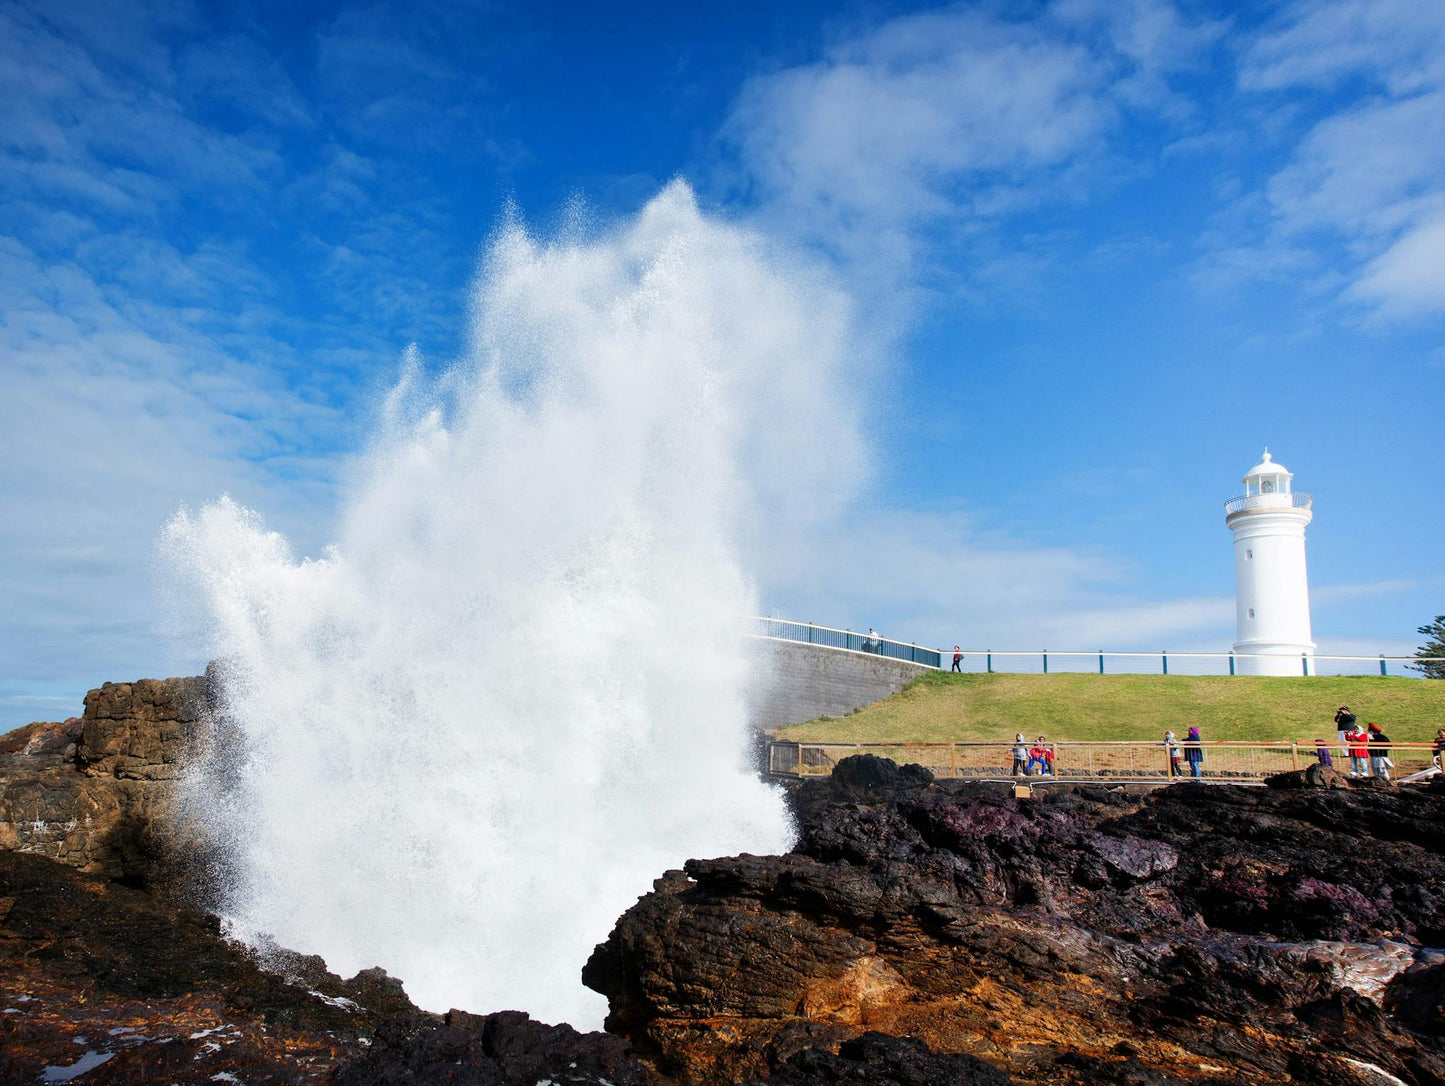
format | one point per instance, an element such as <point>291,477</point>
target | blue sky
<point>1108,250</point>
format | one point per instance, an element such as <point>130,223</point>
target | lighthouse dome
<point>1268,465</point>
<point>1267,477</point>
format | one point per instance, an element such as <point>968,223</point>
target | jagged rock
<point>158,995</point>
<point>157,990</point>
<point>1191,934</point>
<point>94,791</point>
<point>502,1049</point>
<point>881,1060</point>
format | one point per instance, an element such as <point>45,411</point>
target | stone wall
<point>88,792</point>
<point>802,682</point>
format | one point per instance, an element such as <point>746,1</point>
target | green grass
<point>942,707</point>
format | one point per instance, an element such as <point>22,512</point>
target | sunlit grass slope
<point>940,707</point>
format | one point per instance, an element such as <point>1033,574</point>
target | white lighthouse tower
<point>1271,590</point>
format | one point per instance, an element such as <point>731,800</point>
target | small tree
<point>1435,646</point>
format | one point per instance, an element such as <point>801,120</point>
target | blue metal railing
<point>810,634</point>
<point>1132,663</point>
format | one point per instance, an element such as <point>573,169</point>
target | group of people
<point>1040,754</point>
<point>1189,751</point>
<point>1368,748</point>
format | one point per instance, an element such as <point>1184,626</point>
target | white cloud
<point>950,120</point>
<point>943,579</point>
<point>1408,278</point>
<point>1318,43</point>
<point>1369,176</point>
<point>115,409</point>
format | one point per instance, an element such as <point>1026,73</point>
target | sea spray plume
<point>514,691</point>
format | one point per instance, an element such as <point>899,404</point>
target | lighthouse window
<point>1249,554</point>
<point>1251,612</point>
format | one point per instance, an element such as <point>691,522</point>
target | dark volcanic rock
<point>155,991</point>
<point>1193,933</point>
<point>881,1060</point>
<point>502,1049</point>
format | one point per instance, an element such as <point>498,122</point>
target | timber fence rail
<point>1078,660</point>
<point>1116,761</point>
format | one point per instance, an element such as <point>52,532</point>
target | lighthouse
<point>1271,589</point>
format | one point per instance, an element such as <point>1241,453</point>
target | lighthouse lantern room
<point>1271,597</point>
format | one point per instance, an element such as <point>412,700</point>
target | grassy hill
<point>942,707</point>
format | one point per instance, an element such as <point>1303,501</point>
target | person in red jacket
<point>1356,740</point>
<point>1038,754</point>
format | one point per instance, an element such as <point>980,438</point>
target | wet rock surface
<point>104,984</point>
<point>1192,934</point>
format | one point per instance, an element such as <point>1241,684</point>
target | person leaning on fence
<point>1380,761</point>
<point>1039,753</point>
<point>1194,753</point>
<point>1323,754</point>
<point>957,659</point>
<point>1021,755</point>
<point>1359,752</point>
<point>1437,758</point>
<point>1171,745</point>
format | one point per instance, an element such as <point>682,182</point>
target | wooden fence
<point>1084,761</point>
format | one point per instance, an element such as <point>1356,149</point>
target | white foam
<point>514,691</point>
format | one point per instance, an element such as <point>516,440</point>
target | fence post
<point>1165,657</point>
<point>1231,661</point>
<point>953,760</point>
<point>990,662</point>
<point>1304,662</point>
<point>912,652</point>
<point>1101,661</point>
<point>1294,754</point>
<point>1046,661</point>
<point>1382,665</point>
<point>810,633</point>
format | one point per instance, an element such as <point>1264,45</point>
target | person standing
<point>1323,754</point>
<point>1036,754</point>
<point>1021,755</point>
<point>1359,752</point>
<point>1171,746</point>
<point>1344,723</point>
<point>1379,747</point>
<point>1194,753</point>
<point>957,659</point>
<point>1438,754</point>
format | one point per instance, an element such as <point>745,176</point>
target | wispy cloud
<point>947,578</point>
<point>951,120</point>
<point>1365,184</point>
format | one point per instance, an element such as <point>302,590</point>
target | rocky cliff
<point>93,792</point>
<point>920,932</point>
<point>1193,934</point>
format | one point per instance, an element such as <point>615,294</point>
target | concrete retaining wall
<point>801,682</point>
